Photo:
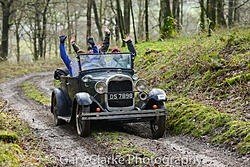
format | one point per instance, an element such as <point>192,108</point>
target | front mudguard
<point>83,99</point>
<point>155,96</point>
<point>63,102</point>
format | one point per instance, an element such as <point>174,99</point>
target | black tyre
<point>55,112</point>
<point>158,126</point>
<point>82,126</point>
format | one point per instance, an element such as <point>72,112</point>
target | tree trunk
<point>17,44</point>
<point>236,12</point>
<point>121,23</point>
<point>182,12</point>
<point>202,15</point>
<point>230,12</point>
<point>178,16</point>
<point>97,21</point>
<point>132,13</point>
<point>220,13</point>
<point>35,42</point>
<point>166,21</point>
<point>127,16</point>
<point>69,24</point>
<point>213,14</point>
<point>174,8</point>
<point>165,11</point>
<point>44,31</point>
<point>100,13</point>
<point>37,30</point>
<point>89,19</point>
<point>117,35</point>
<point>141,19</point>
<point>146,20</point>
<point>5,29</point>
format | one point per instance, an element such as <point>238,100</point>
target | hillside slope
<point>207,83</point>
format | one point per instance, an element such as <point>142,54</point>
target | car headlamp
<point>135,77</point>
<point>141,85</point>
<point>100,87</point>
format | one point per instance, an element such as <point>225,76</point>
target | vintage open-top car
<point>106,88</point>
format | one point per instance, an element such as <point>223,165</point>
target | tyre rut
<point>65,143</point>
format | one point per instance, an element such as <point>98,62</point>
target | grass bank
<point>32,92</point>
<point>206,80</point>
<point>10,70</point>
<point>18,145</point>
<point>187,117</point>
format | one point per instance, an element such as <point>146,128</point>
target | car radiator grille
<point>120,86</point>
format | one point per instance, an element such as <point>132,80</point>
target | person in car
<point>72,65</point>
<point>89,62</point>
<point>119,62</point>
<point>94,48</point>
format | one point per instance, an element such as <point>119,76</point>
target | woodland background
<point>30,28</point>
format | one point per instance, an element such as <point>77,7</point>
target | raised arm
<point>64,54</point>
<point>92,43</point>
<point>73,43</point>
<point>130,45</point>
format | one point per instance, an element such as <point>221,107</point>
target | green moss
<point>243,78</point>
<point>185,116</point>
<point>35,94</point>
<point>15,130</point>
<point>10,154</point>
<point>207,75</point>
<point>168,29</point>
<point>8,136</point>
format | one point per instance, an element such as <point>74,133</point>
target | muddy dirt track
<point>68,149</point>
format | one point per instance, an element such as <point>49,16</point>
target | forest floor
<point>207,83</point>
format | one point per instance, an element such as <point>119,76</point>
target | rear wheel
<point>158,126</point>
<point>55,112</point>
<point>82,126</point>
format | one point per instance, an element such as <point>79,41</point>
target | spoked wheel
<point>158,126</point>
<point>55,112</point>
<point>82,126</point>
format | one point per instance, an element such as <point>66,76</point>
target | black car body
<point>107,89</point>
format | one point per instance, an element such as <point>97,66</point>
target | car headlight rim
<point>141,85</point>
<point>100,87</point>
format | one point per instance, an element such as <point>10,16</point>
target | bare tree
<point>99,28</point>
<point>127,16</point>
<point>220,13</point>
<point>230,12</point>
<point>7,12</point>
<point>89,19</point>
<point>120,22</point>
<point>132,13</point>
<point>146,20</point>
<point>202,15</point>
<point>19,11</point>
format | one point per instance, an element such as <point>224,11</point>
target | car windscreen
<point>95,61</point>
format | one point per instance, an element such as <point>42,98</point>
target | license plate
<point>120,96</point>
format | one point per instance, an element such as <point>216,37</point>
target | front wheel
<point>158,126</point>
<point>82,126</point>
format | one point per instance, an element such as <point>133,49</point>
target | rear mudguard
<point>63,102</point>
<point>83,99</point>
